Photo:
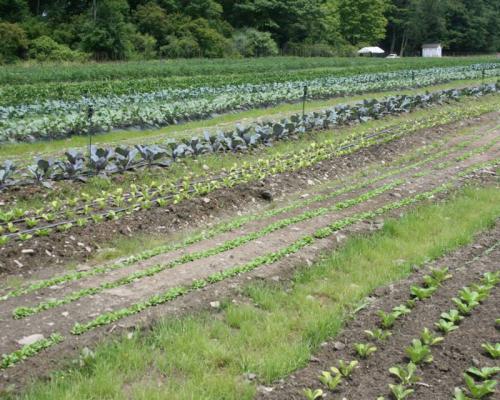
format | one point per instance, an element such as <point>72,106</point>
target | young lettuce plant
<point>418,352</point>
<point>422,293</point>
<point>446,326</point>
<point>387,320</point>
<point>479,390</point>
<point>406,374</point>
<point>364,350</point>
<point>437,277</point>
<point>400,392</point>
<point>452,316</point>
<point>491,278</point>
<point>493,350</point>
<point>313,394</point>
<point>483,373</point>
<point>428,338</point>
<point>378,334</point>
<point>329,380</point>
<point>345,368</point>
<point>402,310</point>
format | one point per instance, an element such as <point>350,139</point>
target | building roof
<point>431,45</point>
<point>368,50</point>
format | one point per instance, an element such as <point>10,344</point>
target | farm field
<point>218,241</point>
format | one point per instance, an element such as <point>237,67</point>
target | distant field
<point>206,69</point>
<point>152,95</point>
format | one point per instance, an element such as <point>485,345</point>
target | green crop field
<point>227,228</point>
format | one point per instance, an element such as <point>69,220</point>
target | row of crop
<point>76,165</point>
<point>145,199</point>
<point>333,378</point>
<point>107,318</point>
<point>70,82</point>
<point>224,227</point>
<point>420,350</point>
<point>211,92</point>
<point>25,311</point>
<point>267,259</point>
<point>162,109</point>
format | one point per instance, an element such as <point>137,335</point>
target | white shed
<point>432,50</point>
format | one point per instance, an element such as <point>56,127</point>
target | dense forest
<point>59,30</point>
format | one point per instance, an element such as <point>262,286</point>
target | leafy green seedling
<point>401,310</point>
<point>329,380</point>
<point>484,373</point>
<point>436,277</point>
<point>463,307</point>
<point>479,390</point>
<point>400,392</point>
<point>428,338</point>
<point>12,228</point>
<point>313,394</point>
<point>378,334</point>
<point>452,316</point>
<point>364,350</point>
<point>422,293</point>
<point>24,236</point>
<point>406,374</point>
<point>4,240</point>
<point>418,352</point>
<point>469,296</point>
<point>31,222</point>
<point>387,320</point>
<point>460,395</point>
<point>491,278</point>
<point>446,326</point>
<point>492,349</point>
<point>345,368</point>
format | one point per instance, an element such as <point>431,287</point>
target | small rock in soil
<point>339,346</point>
<point>215,304</point>
<point>266,195</point>
<point>28,251</point>
<point>27,340</point>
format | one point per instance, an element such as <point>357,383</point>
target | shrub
<point>13,42</point>
<point>185,47</point>
<point>252,43</point>
<point>45,48</point>
<point>144,44</point>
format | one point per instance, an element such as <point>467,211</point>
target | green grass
<point>274,332</point>
<point>24,151</point>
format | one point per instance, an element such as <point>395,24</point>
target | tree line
<point>58,30</point>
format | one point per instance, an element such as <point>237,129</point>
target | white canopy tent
<point>371,50</point>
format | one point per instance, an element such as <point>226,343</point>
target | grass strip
<point>275,332</point>
<point>29,350</point>
<point>22,312</point>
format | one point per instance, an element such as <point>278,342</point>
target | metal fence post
<point>90,114</point>
<point>304,103</point>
